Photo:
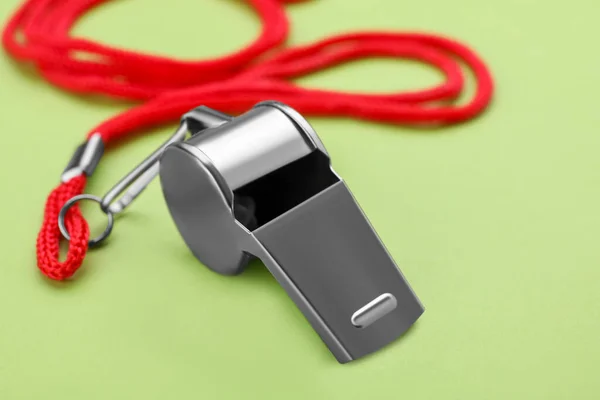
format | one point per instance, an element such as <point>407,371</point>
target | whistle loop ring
<point>70,203</point>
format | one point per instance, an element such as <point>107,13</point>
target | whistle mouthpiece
<point>261,185</point>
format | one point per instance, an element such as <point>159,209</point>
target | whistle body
<point>261,185</point>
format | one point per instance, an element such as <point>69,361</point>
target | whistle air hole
<point>244,209</point>
<point>263,200</point>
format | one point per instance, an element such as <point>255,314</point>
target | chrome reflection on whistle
<point>374,310</point>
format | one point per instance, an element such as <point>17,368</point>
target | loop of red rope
<point>49,237</point>
<point>39,33</point>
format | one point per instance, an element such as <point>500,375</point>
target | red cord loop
<point>49,237</point>
<point>39,33</point>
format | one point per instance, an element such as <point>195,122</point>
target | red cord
<point>39,33</point>
<point>49,236</point>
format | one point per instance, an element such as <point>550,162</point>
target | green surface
<point>495,223</point>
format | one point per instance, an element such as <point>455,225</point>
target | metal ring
<point>70,203</point>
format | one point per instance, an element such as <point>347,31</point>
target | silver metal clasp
<point>134,183</point>
<point>261,185</point>
<point>124,192</point>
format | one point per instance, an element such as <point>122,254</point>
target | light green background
<point>495,223</point>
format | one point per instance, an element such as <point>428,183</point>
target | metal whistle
<point>261,185</point>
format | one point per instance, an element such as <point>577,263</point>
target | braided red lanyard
<point>39,33</point>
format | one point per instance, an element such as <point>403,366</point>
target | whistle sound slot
<point>283,189</point>
<point>374,310</point>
